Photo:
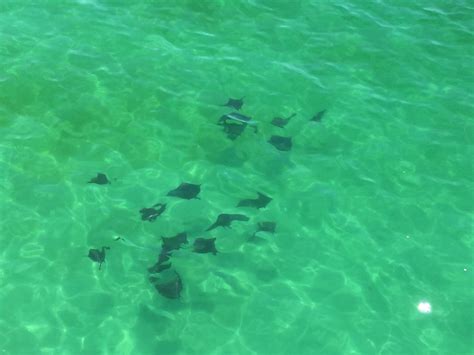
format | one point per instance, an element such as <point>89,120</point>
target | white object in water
<point>238,117</point>
<point>424,307</point>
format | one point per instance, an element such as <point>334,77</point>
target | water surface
<point>373,205</point>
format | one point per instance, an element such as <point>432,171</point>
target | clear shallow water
<point>373,205</point>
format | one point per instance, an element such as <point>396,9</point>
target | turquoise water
<point>373,205</point>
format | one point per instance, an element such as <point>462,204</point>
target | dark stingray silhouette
<point>174,243</point>
<point>186,191</point>
<point>150,214</point>
<point>203,245</point>
<point>158,267</point>
<point>234,130</point>
<point>164,256</point>
<point>318,117</point>
<point>260,202</point>
<point>268,227</point>
<point>168,245</point>
<point>224,220</point>
<point>234,103</point>
<point>282,122</point>
<point>98,255</point>
<point>235,123</point>
<point>281,143</point>
<point>167,283</point>
<point>100,179</point>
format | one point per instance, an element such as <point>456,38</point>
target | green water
<point>374,205</point>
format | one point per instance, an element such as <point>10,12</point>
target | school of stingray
<point>162,276</point>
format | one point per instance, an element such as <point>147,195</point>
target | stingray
<point>234,103</point>
<point>161,264</point>
<point>238,123</point>
<point>100,179</point>
<point>260,202</point>
<point>318,117</point>
<point>98,255</point>
<point>150,214</point>
<point>268,227</point>
<point>186,191</point>
<point>164,256</point>
<point>174,243</point>
<point>282,122</point>
<point>281,143</point>
<point>234,130</point>
<point>168,284</point>
<point>237,117</point>
<point>158,267</point>
<point>202,245</point>
<point>224,220</point>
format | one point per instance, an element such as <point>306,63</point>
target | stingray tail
<point>212,227</point>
